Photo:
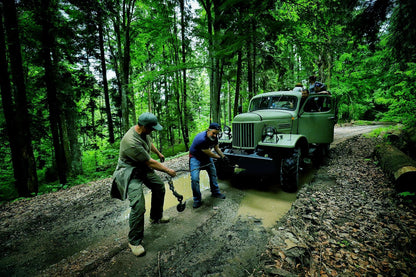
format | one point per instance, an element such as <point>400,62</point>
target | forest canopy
<point>75,75</point>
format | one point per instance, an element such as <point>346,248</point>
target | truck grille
<point>243,135</point>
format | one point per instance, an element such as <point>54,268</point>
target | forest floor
<point>347,219</point>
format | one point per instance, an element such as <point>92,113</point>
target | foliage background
<point>190,63</point>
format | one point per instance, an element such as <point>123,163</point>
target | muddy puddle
<point>266,206</point>
<point>263,199</point>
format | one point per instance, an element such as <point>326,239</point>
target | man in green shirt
<point>135,167</point>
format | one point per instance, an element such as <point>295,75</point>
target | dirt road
<point>82,231</point>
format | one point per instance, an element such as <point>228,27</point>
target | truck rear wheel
<point>289,171</point>
<point>320,154</point>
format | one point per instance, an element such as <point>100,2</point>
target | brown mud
<point>345,220</point>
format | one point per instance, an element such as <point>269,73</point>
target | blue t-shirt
<point>317,87</point>
<point>201,142</point>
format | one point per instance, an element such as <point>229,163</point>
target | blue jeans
<point>195,166</point>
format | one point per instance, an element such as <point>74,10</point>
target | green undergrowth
<point>383,131</point>
<point>96,165</point>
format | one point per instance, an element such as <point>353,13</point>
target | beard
<point>211,138</point>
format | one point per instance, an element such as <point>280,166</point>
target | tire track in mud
<point>211,239</point>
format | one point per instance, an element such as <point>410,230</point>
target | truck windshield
<point>276,102</point>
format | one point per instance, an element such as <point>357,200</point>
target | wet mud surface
<point>258,230</point>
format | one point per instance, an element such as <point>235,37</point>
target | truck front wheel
<point>289,171</point>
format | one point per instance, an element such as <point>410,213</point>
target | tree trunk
<point>72,119</point>
<point>217,95</point>
<point>105,82</point>
<point>238,82</point>
<point>132,106</point>
<point>405,140</point>
<point>254,57</point>
<point>116,65</point>
<point>54,107</point>
<point>125,91</point>
<point>123,48</point>
<point>400,167</point>
<point>229,114</point>
<point>214,105</point>
<point>177,89</point>
<point>17,116</point>
<point>216,67</point>
<point>185,132</point>
<point>249,69</point>
<point>207,5</point>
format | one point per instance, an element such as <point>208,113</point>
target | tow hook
<point>181,206</point>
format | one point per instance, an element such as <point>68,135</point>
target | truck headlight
<point>270,131</point>
<point>227,130</point>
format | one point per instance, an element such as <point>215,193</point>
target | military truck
<point>279,134</point>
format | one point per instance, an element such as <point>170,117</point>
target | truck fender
<point>285,141</point>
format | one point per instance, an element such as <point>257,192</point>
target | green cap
<point>149,120</point>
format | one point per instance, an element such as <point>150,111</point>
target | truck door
<point>317,119</point>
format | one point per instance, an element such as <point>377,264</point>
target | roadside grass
<point>384,131</point>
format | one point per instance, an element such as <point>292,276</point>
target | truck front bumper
<point>252,162</point>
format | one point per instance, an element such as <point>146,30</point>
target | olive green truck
<point>280,131</point>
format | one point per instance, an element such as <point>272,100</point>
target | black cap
<point>214,126</point>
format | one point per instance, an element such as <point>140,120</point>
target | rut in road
<point>222,246</point>
<point>219,241</point>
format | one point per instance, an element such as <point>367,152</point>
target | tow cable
<point>181,206</point>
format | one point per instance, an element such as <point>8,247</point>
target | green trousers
<point>137,204</point>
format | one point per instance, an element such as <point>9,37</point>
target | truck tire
<point>289,171</point>
<point>320,154</point>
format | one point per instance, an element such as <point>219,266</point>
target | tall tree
<point>122,17</point>
<point>214,105</point>
<point>100,23</point>
<point>185,131</point>
<point>16,114</point>
<point>238,83</point>
<point>47,15</point>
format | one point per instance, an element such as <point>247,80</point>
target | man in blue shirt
<point>315,86</point>
<point>200,157</point>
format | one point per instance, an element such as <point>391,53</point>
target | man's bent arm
<point>157,152</point>
<point>211,154</point>
<point>218,150</point>
<point>160,167</point>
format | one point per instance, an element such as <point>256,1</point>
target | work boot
<point>218,195</point>
<point>197,204</point>
<point>138,250</point>
<point>164,219</point>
